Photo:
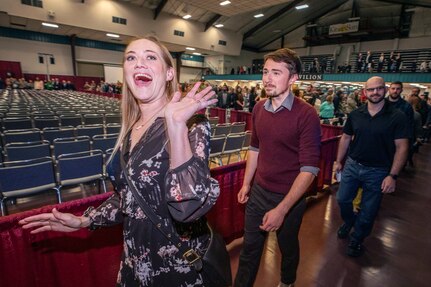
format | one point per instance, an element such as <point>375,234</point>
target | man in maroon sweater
<point>283,157</point>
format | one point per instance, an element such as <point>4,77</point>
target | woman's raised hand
<point>54,221</point>
<point>179,110</point>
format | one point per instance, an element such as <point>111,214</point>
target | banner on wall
<point>348,27</point>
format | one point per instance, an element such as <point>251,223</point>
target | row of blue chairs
<point>15,123</point>
<point>25,178</point>
<point>50,134</point>
<point>35,149</point>
<point>227,128</point>
<point>228,145</point>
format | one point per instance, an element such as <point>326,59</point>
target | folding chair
<point>67,120</point>
<point>237,127</point>
<point>222,129</point>
<point>113,128</point>
<point>93,119</point>
<point>247,141</point>
<point>10,123</point>
<point>50,134</point>
<point>213,120</point>
<point>27,150</point>
<point>80,168</point>
<point>24,178</point>
<point>216,149</point>
<point>112,118</point>
<point>71,145</point>
<point>46,122</point>
<point>233,145</point>
<point>104,142</point>
<point>89,130</point>
<point>30,135</point>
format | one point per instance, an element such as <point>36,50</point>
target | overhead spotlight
<point>187,16</point>
<point>218,25</point>
<point>258,15</point>
<point>299,7</point>
<point>197,54</point>
<point>190,48</point>
<point>49,25</point>
<point>112,35</point>
<point>224,3</point>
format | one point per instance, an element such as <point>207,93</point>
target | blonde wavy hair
<point>130,105</point>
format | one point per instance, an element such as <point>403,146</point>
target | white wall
<point>421,23</point>
<point>190,74</point>
<point>215,62</point>
<point>84,54</point>
<point>26,52</point>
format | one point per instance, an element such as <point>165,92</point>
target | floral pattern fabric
<point>180,197</point>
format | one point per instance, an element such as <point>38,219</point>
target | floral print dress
<point>180,197</point>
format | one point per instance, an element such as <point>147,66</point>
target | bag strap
<point>189,254</point>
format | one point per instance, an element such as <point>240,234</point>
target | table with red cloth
<point>91,258</point>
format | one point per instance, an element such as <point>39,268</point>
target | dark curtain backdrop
<point>14,68</point>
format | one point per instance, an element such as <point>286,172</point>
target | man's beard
<point>370,98</point>
<point>271,94</point>
<point>395,96</point>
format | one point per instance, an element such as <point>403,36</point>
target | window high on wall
<point>35,3</point>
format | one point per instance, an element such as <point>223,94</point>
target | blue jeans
<point>355,175</point>
<point>260,202</point>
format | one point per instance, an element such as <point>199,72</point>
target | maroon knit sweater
<point>287,141</point>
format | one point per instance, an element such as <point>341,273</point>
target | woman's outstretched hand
<point>179,110</point>
<point>54,221</point>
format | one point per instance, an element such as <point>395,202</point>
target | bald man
<point>376,138</point>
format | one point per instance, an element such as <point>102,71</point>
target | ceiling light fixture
<point>258,15</point>
<point>197,54</point>
<point>49,25</point>
<point>224,3</point>
<point>187,16</point>
<point>299,7</point>
<point>190,48</point>
<point>112,35</point>
<point>218,25</point>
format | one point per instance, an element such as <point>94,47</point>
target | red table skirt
<point>85,258</point>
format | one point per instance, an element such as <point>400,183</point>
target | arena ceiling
<point>379,19</point>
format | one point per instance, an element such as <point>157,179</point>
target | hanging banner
<point>348,27</point>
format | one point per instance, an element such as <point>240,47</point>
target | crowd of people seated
<point>104,87</point>
<point>21,83</point>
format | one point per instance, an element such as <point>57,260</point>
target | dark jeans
<point>353,176</point>
<point>260,202</point>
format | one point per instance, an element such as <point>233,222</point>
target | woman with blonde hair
<point>164,151</point>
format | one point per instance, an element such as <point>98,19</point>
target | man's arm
<point>250,169</point>
<point>401,152</point>
<point>274,218</point>
<point>343,145</point>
